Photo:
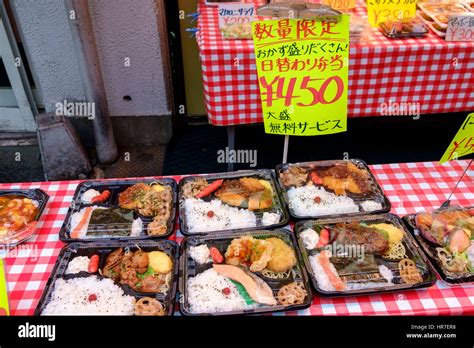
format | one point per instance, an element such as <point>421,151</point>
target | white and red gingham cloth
<point>437,74</point>
<point>411,187</point>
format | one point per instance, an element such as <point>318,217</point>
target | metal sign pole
<point>285,149</point>
<point>448,201</point>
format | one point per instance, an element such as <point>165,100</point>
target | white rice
<point>310,238</point>
<point>205,294</point>
<point>301,201</point>
<point>371,205</point>
<point>70,297</point>
<point>78,264</point>
<point>137,227</point>
<point>89,195</point>
<point>270,219</point>
<point>201,254</point>
<point>224,217</point>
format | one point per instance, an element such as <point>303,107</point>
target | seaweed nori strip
<point>110,222</point>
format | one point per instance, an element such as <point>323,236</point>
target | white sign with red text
<point>460,28</point>
<point>230,14</point>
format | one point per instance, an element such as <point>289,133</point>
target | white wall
<point>123,28</point>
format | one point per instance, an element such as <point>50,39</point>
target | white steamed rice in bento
<point>302,202</point>
<point>223,217</point>
<point>73,297</point>
<point>205,294</point>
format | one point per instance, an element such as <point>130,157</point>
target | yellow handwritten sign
<point>302,70</point>
<point>463,142</point>
<point>341,4</point>
<point>4,307</point>
<point>384,10</point>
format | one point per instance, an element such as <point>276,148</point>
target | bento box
<point>236,201</point>
<point>121,210</point>
<point>446,236</point>
<point>440,12</point>
<point>242,273</point>
<point>20,211</point>
<point>330,189</point>
<point>113,278</point>
<point>362,255</point>
<point>404,28</point>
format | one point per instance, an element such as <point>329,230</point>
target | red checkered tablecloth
<point>410,187</point>
<point>438,75</point>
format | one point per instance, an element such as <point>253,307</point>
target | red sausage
<point>216,255</point>
<point>210,188</point>
<point>93,264</point>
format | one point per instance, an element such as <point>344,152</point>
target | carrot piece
<point>210,188</point>
<point>85,218</point>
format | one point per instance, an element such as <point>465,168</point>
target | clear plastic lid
<point>20,211</point>
<point>121,209</point>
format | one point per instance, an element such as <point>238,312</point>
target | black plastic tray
<point>115,187</point>
<point>35,194</point>
<point>428,248</point>
<point>410,244</point>
<point>188,268</point>
<point>103,249</point>
<point>377,192</point>
<point>278,202</point>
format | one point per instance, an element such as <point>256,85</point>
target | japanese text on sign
<point>341,4</point>
<point>303,75</point>
<point>384,10</point>
<point>463,142</point>
<point>236,14</point>
<point>460,28</point>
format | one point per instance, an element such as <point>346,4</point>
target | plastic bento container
<point>278,206</point>
<point>13,238</point>
<point>110,230</point>
<point>440,12</point>
<point>432,25</point>
<point>370,275</point>
<point>376,193</point>
<point>429,248</point>
<point>189,268</point>
<point>298,10</point>
<point>405,28</point>
<point>69,252</point>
